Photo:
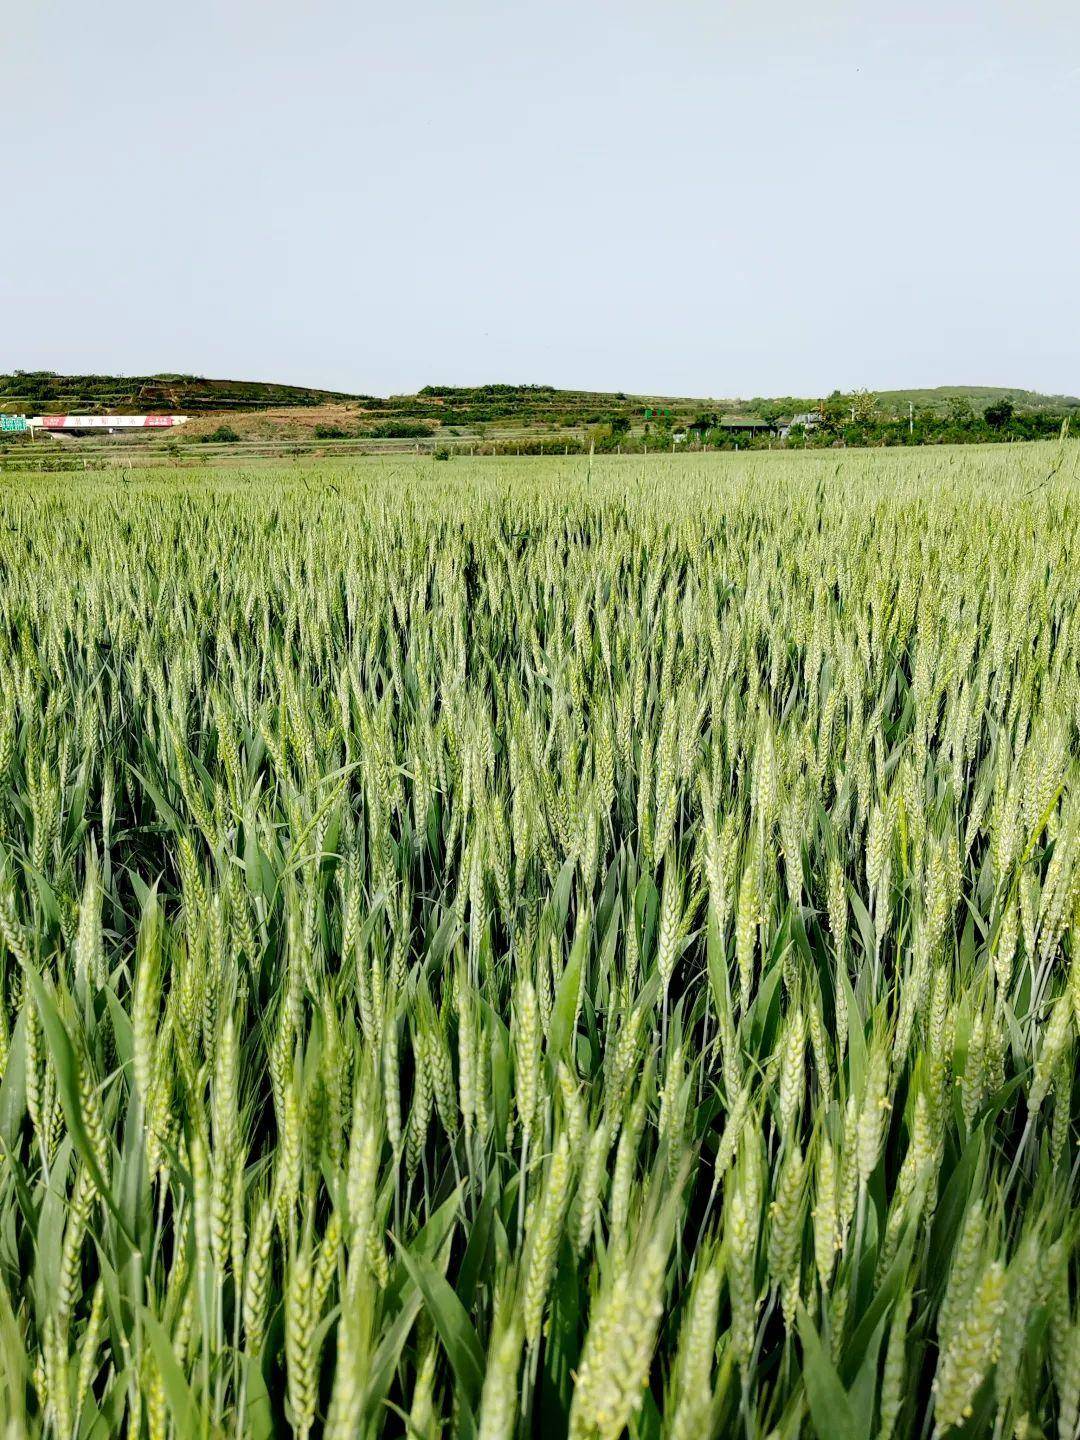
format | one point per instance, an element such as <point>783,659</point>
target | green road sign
<point>13,422</point>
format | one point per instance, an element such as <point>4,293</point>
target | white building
<point>101,424</point>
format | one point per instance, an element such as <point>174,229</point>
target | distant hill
<point>979,396</point>
<point>528,407</point>
<point>44,391</point>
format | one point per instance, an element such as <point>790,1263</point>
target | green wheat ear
<point>558,946</point>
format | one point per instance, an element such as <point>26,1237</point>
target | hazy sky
<point>682,198</point>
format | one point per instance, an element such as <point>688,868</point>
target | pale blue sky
<point>682,198</point>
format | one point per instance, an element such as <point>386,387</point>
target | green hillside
<point>50,393</point>
<point>979,396</point>
<point>527,405</point>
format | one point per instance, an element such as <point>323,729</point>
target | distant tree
<point>960,413</point>
<point>999,415</point>
<point>835,412</point>
<point>861,404</point>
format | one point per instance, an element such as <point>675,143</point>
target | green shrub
<point>400,430</point>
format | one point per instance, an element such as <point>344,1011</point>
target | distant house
<point>705,425</point>
<point>808,420</point>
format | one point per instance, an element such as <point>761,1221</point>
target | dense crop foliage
<point>532,948</point>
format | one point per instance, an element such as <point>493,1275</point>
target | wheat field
<point>539,948</point>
